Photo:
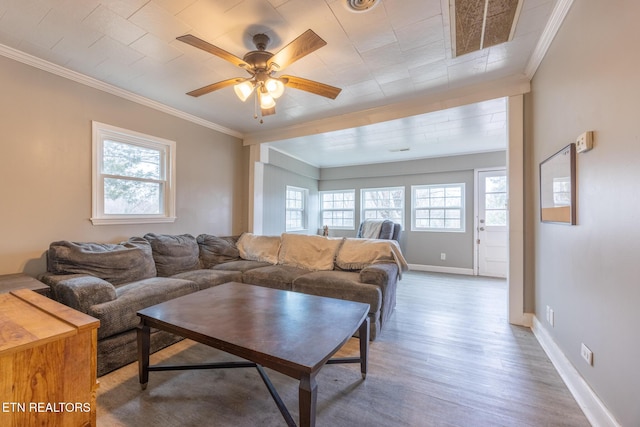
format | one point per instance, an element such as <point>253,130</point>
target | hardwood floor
<point>448,357</point>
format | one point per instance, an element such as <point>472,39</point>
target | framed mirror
<point>558,187</point>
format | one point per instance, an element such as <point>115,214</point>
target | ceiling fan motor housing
<point>257,59</point>
<point>261,41</point>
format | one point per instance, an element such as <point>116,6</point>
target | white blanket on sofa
<point>356,254</point>
<point>371,228</point>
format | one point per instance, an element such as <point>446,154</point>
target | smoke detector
<point>360,5</point>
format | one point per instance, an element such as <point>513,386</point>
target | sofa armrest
<point>80,291</point>
<point>379,274</point>
<point>384,275</point>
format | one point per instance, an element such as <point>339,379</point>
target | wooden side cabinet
<point>12,282</point>
<point>47,362</point>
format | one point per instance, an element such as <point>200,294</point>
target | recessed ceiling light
<point>360,5</point>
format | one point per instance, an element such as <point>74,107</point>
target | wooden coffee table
<point>289,332</point>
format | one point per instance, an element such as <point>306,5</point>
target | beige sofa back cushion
<point>259,248</point>
<point>310,252</point>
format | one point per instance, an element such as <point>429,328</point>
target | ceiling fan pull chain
<point>255,105</point>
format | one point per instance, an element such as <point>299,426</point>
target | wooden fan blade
<point>215,86</point>
<point>306,43</point>
<point>311,86</point>
<point>208,47</point>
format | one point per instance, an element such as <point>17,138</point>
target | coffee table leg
<point>308,397</point>
<point>144,343</point>
<point>363,333</point>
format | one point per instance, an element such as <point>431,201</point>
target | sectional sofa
<point>112,282</point>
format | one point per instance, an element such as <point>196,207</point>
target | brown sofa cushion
<point>339,284</point>
<point>241,265</point>
<point>174,254</point>
<point>215,250</point>
<point>120,314</point>
<point>116,263</point>
<point>273,276</point>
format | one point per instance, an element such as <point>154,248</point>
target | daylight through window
<point>133,177</point>
<point>296,201</point>
<point>337,209</point>
<point>383,203</point>
<point>438,207</point>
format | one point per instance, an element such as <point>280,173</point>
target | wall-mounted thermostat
<point>584,142</point>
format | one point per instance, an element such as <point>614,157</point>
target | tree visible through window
<point>338,209</point>
<point>438,207</point>
<point>383,203</point>
<point>495,201</point>
<point>132,183</point>
<point>133,177</point>
<point>296,200</point>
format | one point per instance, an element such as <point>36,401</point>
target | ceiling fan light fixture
<point>266,100</point>
<point>243,90</point>
<point>275,88</point>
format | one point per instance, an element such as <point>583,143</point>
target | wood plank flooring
<point>448,357</point>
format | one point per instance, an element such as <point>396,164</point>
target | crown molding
<point>66,73</point>
<point>558,14</point>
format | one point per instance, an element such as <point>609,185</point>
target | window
<point>133,177</point>
<point>495,201</point>
<point>383,203</point>
<point>337,209</point>
<point>296,201</point>
<point>438,207</point>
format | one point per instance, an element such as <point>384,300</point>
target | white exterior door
<point>491,223</point>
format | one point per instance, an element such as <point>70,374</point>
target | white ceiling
<point>397,52</point>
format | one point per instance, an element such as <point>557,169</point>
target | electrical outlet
<point>443,256</point>
<point>551,317</point>
<point>586,354</point>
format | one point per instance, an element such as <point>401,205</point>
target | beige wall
<point>45,167</point>
<point>590,273</point>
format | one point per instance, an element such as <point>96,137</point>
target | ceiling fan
<point>261,66</point>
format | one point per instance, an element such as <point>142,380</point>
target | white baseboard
<point>440,269</point>
<point>593,408</point>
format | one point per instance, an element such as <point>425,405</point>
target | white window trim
<point>463,209</point>
<point>334,227</point>
<point>304,210</point>
<point>401,209</point>
<point>100,132</point>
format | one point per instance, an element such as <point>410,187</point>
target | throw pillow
<point>259,248</point>
<point>116,263</point>
<point>309,252</point>
<point>215,250</point>
<point>174,254</point>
